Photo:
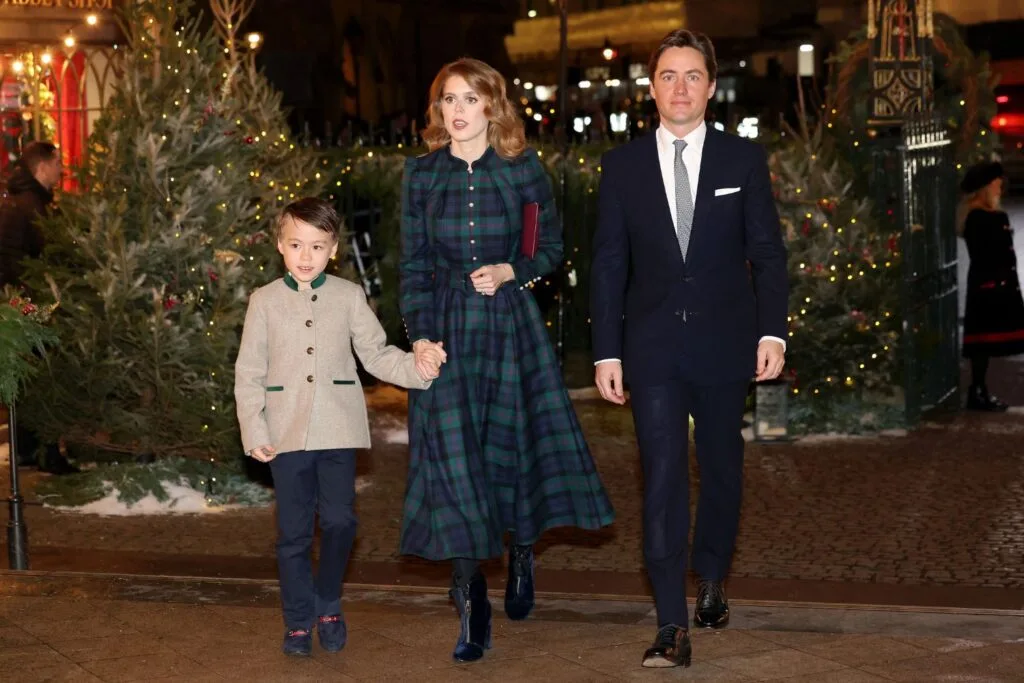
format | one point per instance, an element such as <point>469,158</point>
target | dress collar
<point>485,160</point>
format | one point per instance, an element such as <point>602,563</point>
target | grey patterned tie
<point>684,200</point>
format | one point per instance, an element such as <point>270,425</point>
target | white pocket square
<point>726,190</point>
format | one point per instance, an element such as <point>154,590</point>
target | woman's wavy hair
<point>505,130</point>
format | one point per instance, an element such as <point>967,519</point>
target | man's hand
<point>487,279</point>
<point>608,378</point>
<point>770,359</point>
<point>429,358</point>
<point>264,453</point>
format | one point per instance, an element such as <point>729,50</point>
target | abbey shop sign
<point>61,4</point>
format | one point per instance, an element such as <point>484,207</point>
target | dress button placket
<point>472,223</point>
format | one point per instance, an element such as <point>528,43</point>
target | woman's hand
<point>488,279</point>
<point>429,356</point>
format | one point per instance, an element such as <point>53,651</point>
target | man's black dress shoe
<point>671,648</point>
<point>712,607</point>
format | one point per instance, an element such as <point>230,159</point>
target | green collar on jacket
<point>293,283</point>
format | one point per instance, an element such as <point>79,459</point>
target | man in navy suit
<point>689,295</point>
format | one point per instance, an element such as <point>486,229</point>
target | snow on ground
<point>812,439</point>
<point>396,435</point>
<point>392,428</point>
<point>180,500</point>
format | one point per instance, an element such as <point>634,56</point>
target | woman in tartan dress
<point>494,444</point>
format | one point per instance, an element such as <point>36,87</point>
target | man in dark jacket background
<point>28,196</point>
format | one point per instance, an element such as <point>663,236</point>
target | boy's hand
<point>429,358</point>
<point>264,453</point>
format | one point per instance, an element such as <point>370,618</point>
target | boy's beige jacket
<point>295,377</point>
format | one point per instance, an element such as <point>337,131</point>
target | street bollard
<point>17,534</point>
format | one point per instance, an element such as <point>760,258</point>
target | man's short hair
<point>36,153</point>
<point>315,211</point>
<point>684,38</point>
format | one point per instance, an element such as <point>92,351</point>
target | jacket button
<point>309,323</point>
<point>310,350</point>
<point>314,297</point>
<point>309,378</point>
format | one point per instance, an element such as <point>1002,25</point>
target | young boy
<point>301,408</point>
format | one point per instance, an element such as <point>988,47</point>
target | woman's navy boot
<point>519,589</point>
<point>474,618</point>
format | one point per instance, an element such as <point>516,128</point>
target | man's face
<point>49,172</point>
<point>681,88</point>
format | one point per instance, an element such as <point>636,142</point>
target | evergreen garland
<point>23,333</point>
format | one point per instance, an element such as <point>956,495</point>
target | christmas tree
<point>844,287</point>
<point>155,258</point>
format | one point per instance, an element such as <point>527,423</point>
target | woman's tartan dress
<point>494,443</point>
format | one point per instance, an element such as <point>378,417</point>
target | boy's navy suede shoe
<point>332,632</point>
<point>298,642</point>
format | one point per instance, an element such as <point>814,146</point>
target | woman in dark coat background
<point>994,317</point>
<point>495,445</point>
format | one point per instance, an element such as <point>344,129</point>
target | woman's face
<point>463,111</point>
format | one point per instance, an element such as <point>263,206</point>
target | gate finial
<point>900,32</point>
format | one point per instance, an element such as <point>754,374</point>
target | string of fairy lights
<point>836,273</point>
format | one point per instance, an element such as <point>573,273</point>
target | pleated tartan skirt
<point>495,444</point>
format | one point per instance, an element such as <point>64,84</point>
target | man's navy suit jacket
<point>698,320</point>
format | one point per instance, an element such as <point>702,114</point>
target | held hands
<point>770,359</point>
<point>488,279</point>
<point>608,378</point>
<point>430,356</point>
<point>263,453</point>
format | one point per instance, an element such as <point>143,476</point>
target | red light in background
<point>1003,99</point>
<point>1009,123</point>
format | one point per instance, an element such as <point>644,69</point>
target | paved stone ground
<point>938,507</point>
<point>110,629</point>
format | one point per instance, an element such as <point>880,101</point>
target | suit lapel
<point>705,189</point>
<point>655,183</point>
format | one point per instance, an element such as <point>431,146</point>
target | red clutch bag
<point>531,229</point>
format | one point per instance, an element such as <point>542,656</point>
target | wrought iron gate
<point>927,210</point>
